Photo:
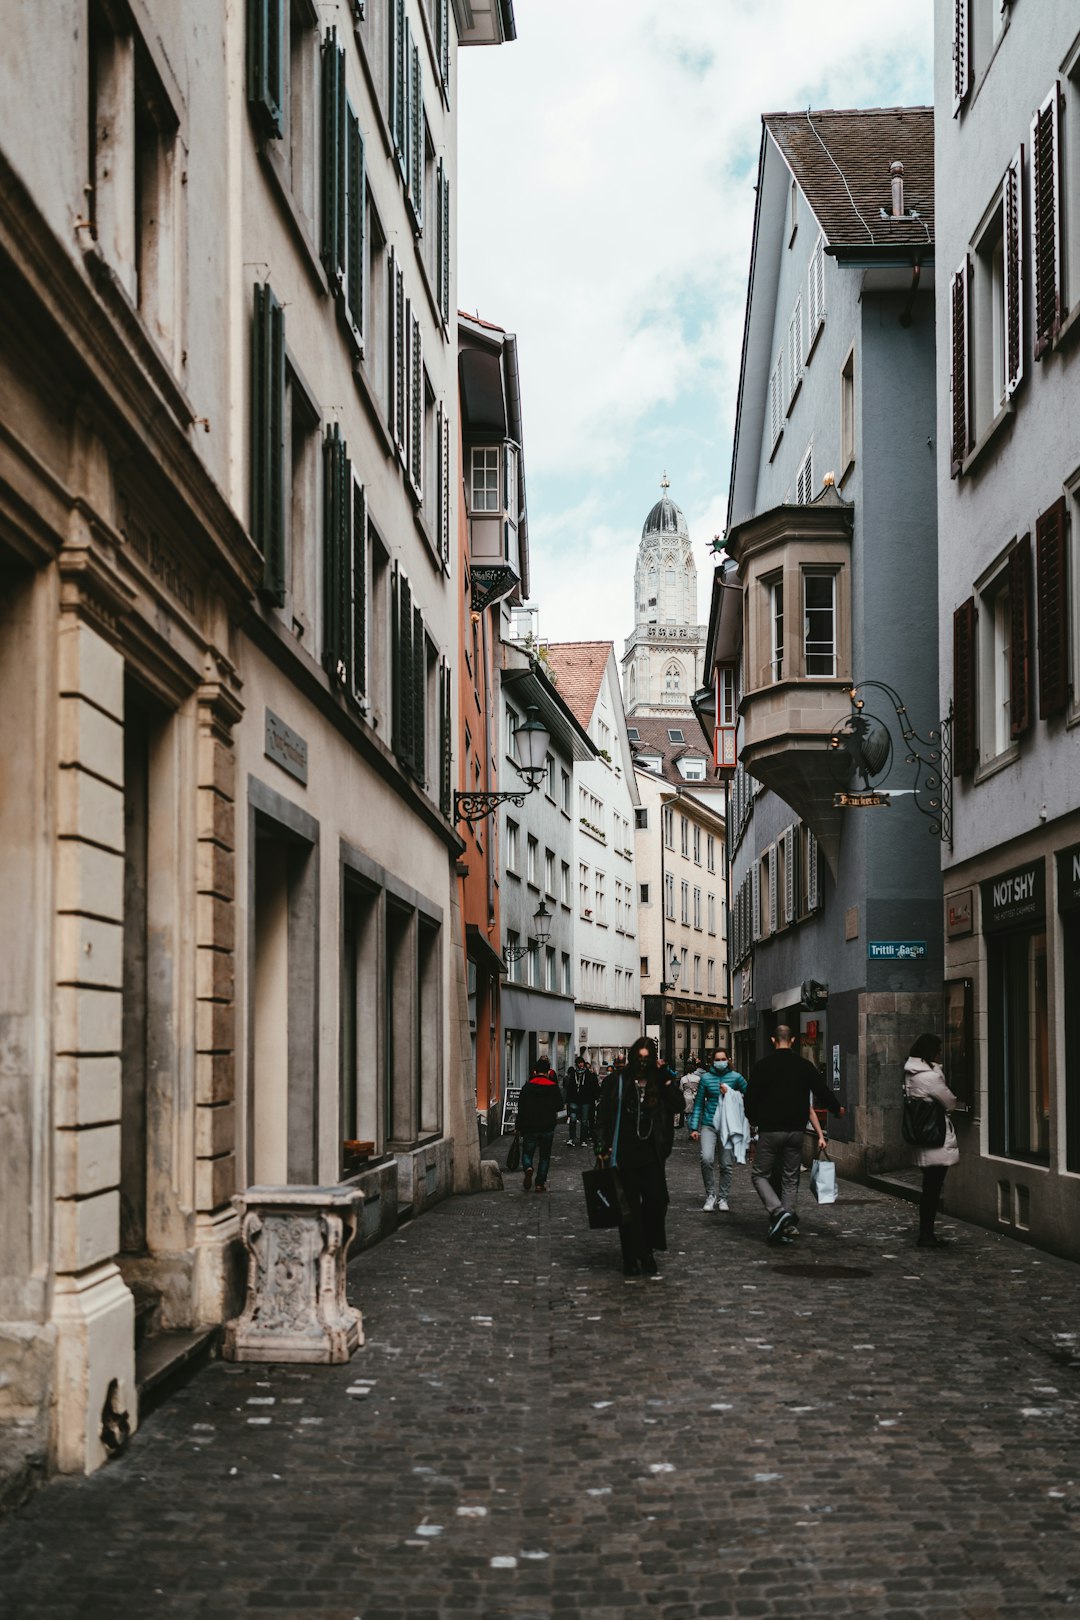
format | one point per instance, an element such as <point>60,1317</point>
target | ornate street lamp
<point>542,925</point>
<point>531,742</point>
<point>674,969</point>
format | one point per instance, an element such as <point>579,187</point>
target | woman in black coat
<point>635,1130</point>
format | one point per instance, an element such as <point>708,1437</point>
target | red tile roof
<point>841,162</point>
<point>578,667</point>
<point>653,739</point>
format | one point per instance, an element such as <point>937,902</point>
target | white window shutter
<point>755,901</point>
<point>1012,208</point>
<point>961,52</point>
<point>789,875</point>
<point>961,370</point>
<point>813,896</point>
<point>774,909</point>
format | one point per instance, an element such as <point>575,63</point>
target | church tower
<point>664,657</point>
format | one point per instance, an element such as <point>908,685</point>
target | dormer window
<point>485,480</point>
<point>676,736</point>
<point>692,770</point>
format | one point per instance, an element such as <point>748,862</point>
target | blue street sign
<point>896,950</point>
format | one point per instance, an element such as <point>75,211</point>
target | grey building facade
<point>829,584</point>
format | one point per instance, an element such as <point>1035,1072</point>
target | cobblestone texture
<point>527,1434</point>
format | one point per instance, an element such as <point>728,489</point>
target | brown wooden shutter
<point>1012,207</point>
<point>961,391</point>
<point>965,734</point>
<point>1046,220</point>
<point>1053,610</point>
<point>961,52</point>
<point>1020,704</point>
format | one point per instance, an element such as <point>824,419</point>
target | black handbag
<point>513,1157</point>
<point>605,1201</point>
<point>922,1123</point>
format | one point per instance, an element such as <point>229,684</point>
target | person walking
<point>924,1077</point>
<point>777,1104</point>
<point>714,1084</point>
<point>582,1093</point>
<point>635,1129</point>
<point>538,1112</point>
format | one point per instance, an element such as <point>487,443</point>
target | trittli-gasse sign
<point>1015,899</point>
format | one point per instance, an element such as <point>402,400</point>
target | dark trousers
<point>645,1186</point>
<point>537,1146</point>
<point>579,1114</point>
<point>775,1175</point>
<point>933,1179</point>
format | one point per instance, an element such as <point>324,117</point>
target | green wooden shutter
<point>416,404</point>
<point>268,439</point>
<point>446,798</point>
<point>399,388</point>
<point>398,79</point>
<point>333,159</point>
<point>359,593</point>
<point>444,46</point>
<point>416,136</point>
<point>337,557</point>
<point>404,669</point>
<point>355,212</point>
<point>419,697</point>
<point>442,246</point>
<point>265,64</point>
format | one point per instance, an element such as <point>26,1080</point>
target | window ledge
<point>1067,331</point>
<point>776,445</point>
<point>795,392</point>
<point>420,520</point>
<point>363,380</point>
<point>978,449</point>
<point>815,337</point>
<point>274,165</point>
<point>999,762</point>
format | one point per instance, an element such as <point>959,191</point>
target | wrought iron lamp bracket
<point>932,755</point>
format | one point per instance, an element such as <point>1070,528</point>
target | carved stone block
<point>297,1240</point>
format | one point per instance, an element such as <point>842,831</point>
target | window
<point>847,414</point>
<point>794,354</point>
<point>643,967</point>
<point>530,860</point>
<point>816,304</point>
<point>1052,571</point>
<point>667,816</point>
<point>672,681</point>
<point>376,362</point>
<point>567,981</point>
<point>513,966</point>
<point>564,883</point>
<point>684,906</point>
<point>1004,654</point>
<point>551,980</point>
<point>692,770</point>
<point>633,734</point>
<point>550,783</point>
<point>676,735</point>
<point>584,902</point>
<point>819,603</point>
<point>710,983</point>
<point>643,894</point>
<point>711,913</point>
<point>697,907</point>
<point>565,800</point>
<point>804,478</point>
<point>549,872</point>
<point>697,974</point>
<point>776,401</point>
<point>1046,221</point>
<point>485,481</point>
<point>697,846</point>
<point>793,213</point>
<point>1018,1046</point>
<point>669,896</point>
<point>710,852</point>
<point>600,908</point>
<point>775,589</point>
<point>512,852</point>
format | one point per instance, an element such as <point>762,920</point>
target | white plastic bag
<point>823,1180</point>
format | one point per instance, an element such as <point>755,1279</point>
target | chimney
<point>896,170</point>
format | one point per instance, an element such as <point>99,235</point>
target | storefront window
<point>1018,1030</point>
<point>1068,888</point>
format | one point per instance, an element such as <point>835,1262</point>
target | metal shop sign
<point>896,950</point>
<point>285,747</point>
<point>959,913</point>
<point>1068,865</point>
<point>860,801</point>
<point>1015,899</point>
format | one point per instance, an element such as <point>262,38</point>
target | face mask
<point>722,1068</point>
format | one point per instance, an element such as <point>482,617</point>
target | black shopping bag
<point>605,1200</point>
<point>513,1157</point>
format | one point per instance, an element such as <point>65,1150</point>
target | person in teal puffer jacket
<point>714,1082</point>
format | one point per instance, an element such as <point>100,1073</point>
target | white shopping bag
<point>823,1180</point>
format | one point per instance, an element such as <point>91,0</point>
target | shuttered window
<point>965,695</point>
<point>355,221</point>
<point>1046,221</point>
<point>1053,610</point>
<point>804,480</point>
<point>337,557</point>
<point>960,305</point>
<point>443,41</point>
<point>790,890</point>
<point>795,350</point>
<point>1012,212</point>
<point>1020,682</point>
<point>961,53</point>
<point>776,401</point>
<point>359,593</point>
<point>266,64</point>
<point>416,404</point>
<point>446,798</point>
<point>399,81</point>
<point>404,711</point>
<point>816,305</point>
<point>442,268</point>
<point>813,873</point>
<point>399,380</point>
<point>443,484</point>
<point>416,137</point>
<point>755,901</point>
<point>419,697</point>
<point>268,439</point>
<point>333,160</point>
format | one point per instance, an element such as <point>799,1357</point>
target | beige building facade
<point>228,631</point>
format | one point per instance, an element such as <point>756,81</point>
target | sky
<point>605,207</point>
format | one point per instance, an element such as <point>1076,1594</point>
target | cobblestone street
<point>847,1426</point>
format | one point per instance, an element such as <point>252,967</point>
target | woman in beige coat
<point>923,1077</point>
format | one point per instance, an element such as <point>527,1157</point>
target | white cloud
<point>605,208</point>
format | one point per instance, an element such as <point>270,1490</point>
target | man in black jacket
<point>582,1095</point>
<point>538,1109</point>
<point>778,1105</point>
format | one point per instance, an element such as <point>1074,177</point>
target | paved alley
<point>845,1427</point>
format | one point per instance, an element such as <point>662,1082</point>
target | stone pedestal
<point>297,1239</point>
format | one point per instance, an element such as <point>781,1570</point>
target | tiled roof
<point>653,739</point>
<point>578,667</point>
<point>841,161</point>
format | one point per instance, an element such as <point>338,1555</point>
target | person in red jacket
<point>539,1107</point>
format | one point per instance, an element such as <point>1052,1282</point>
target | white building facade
<point>1007,92</point>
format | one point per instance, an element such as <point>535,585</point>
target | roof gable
<point>578,667</point>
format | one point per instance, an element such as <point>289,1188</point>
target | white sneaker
<point>710,1202</point>
<point>722,1204</point>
